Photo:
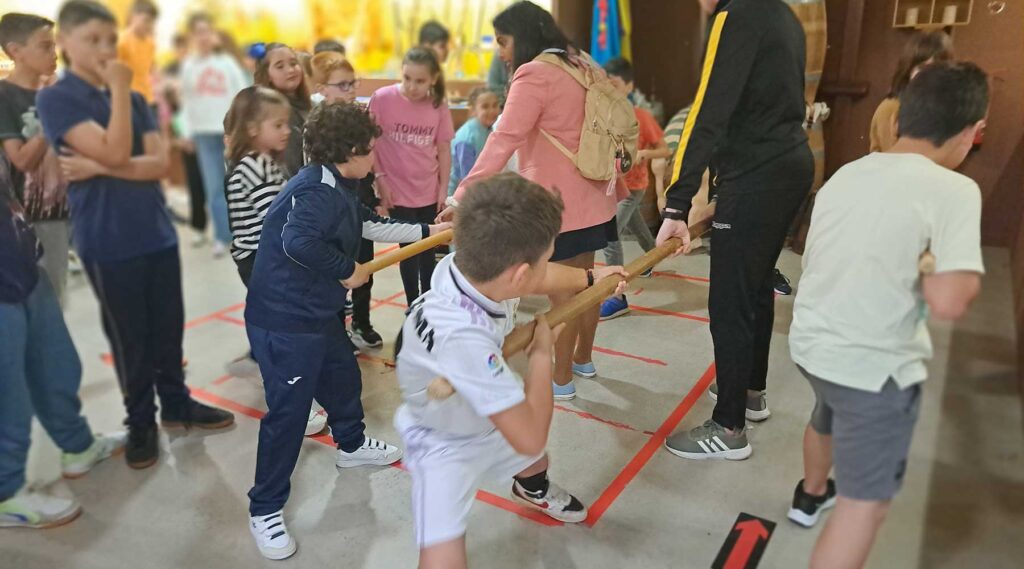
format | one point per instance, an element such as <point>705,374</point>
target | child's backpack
<point>608,139</point>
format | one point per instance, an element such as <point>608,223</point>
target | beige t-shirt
<point>859,315</point>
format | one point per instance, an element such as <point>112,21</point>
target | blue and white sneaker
<point>614,307</point>
<point>586,371</point>
<point>563,392</point>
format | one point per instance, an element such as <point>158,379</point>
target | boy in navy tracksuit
<point>311,238</point>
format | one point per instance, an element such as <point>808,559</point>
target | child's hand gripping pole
<point>521,337</point>
<point>409,251</point>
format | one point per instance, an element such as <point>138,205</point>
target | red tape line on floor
<point>608,497</point>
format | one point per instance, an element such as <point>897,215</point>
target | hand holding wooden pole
<point>521,337</point>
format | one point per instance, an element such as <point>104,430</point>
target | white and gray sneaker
<point>757,405</point>
<point>272,537</point>
<point>709,440</point>
<point>317,420</point>
<point>555,503</point>
<point>77,464</point>
<point>28,509</point>
<point>374,452</point>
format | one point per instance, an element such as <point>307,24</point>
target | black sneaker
<point>366,337</point>
<point>782,285</point>
<point>807,508</point>
<point>143,447</point>
<point>195,414</point>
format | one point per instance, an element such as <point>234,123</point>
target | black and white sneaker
<point>782,284</point>
<point>272,536</point>
<point>355,348</point>
<point>366,338</point>
<point>555,503</point>
<point>806,508</point>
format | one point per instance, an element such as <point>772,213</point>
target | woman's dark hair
<point>943,100</point>
<point>424,56</point>
<point>261,77</point>
<point>533,29</point>
<point>936,46</point>
<point>337,131</point>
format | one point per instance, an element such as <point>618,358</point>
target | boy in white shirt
<point>493,426</point>
<point>859,330</point>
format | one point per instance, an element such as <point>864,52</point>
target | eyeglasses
<point>344,86</point>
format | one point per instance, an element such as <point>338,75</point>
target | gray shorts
<point>871,435</point>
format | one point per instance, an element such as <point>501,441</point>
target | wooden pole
<point>411,250</point>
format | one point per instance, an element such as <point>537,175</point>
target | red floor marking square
<point>481,495</point>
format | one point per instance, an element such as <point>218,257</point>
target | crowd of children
<point>300,180</point>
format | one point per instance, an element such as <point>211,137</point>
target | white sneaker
<point>373,453</point>
<point>198,239</point>
<point>271,535</point>
<point>28,509</point>
<point>76,465</point>
<point>555,503</point>
<point>317,421</point>
<point>219,250</point>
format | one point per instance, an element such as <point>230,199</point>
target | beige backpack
<point>609,136</point>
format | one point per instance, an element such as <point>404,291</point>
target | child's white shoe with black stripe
<point>272,537</point>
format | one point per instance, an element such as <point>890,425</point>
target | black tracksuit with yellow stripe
<point>747,124</point>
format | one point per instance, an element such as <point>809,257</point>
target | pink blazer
<point>543,96</point>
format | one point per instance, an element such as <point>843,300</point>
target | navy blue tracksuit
<point>311,235</point>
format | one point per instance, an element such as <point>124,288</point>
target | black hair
<point>328,45</point>
<point>74,13</point>
<point>533,29</point>
<point>338,131</point>
<point>146,7</point>
<point>433,32</point>
<point>921,47</point>
<point>17,28</point>
<point>424,56</point>
<point>942,100</point>
<point>504,221</point>
<point>619,67</point>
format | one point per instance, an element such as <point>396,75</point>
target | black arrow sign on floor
<point>745,543</point>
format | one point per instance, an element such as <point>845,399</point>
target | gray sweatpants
<point>628,217</point>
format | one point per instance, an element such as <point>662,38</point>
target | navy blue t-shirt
<point>111,219</point>
<point>19,251</point>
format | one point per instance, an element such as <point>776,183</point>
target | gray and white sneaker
<point>374,452</point>
<point>757,405</point>
<point>709,440</point>
<point>76,465</point>
<point>272,537</point>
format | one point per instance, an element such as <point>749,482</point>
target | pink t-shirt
<point>407,149</point>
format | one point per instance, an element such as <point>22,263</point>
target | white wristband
<point>451,202</point>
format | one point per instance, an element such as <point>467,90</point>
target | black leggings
<point>196,191</point>
<point>416,272</point>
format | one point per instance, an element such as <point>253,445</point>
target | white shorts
<point>446,474</point>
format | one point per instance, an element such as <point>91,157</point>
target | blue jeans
<point>210,153</point>
<point>629,218</point>
<point>39,372</point>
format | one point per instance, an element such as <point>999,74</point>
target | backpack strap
<point>575,73</point>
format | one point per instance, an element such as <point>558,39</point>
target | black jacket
<point>750,107</point>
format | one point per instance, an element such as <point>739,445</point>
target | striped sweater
<point>252,186</point>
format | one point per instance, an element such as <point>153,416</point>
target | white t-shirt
<point>859,315</point>
<point>455,332</point>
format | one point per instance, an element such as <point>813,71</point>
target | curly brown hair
<point>337,131</point>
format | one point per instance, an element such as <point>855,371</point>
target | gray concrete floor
<point>962,503</point>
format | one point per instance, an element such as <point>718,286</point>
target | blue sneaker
<point>563,392</point>
<point>586,371</point>
<point>614,307</point>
